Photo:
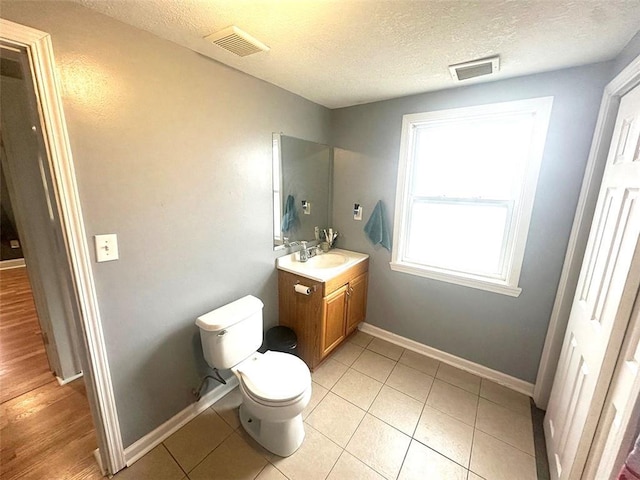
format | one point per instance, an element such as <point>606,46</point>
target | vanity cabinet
<point>331,312</point>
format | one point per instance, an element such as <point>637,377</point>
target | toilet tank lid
<point>229,314</point>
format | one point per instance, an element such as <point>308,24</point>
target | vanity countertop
<point>322,267</point>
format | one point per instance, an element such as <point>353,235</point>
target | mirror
<point>302,182</point>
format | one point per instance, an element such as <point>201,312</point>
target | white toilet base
<point>281,438</point>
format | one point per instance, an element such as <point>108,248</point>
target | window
<point>466,185</point>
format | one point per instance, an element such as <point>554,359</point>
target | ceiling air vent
<point>475,68</point>
<point>236,41</point>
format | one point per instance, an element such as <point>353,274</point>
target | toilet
<point>275,386</point>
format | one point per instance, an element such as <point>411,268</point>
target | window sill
<point>466,281</point>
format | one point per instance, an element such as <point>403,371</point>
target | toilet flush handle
<point>223,332</point>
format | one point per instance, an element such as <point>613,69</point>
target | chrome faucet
<point>304,253</point>
<point>307,252</point>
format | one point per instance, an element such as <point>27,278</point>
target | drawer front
<point>345,277</point>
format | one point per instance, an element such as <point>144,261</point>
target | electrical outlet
<point>357,211</point>
<point>106,247</point>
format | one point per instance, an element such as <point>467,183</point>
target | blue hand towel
<point>376,228</point>
<point>289,215</point>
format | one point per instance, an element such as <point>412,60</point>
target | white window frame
<point>508,282</point>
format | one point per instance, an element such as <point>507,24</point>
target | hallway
<point>46,430</point>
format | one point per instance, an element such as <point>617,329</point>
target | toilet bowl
<point>275,386</point>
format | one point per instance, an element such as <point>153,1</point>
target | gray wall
<point>500,332</point>
<point>627,55</point>
<point>173,153</point>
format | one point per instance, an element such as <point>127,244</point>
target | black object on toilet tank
<point>282,339</point>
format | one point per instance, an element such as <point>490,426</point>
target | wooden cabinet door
<point>334,313</point>
<point>357,307</point>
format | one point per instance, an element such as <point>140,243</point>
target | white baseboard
<point>64,381</point>
<point>471,367</point>
<point>7,264</point>
<point>144,445</point>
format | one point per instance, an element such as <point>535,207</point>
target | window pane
<point>458,236</point>
<point>472,158</point>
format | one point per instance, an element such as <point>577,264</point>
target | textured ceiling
<point>345,52</point>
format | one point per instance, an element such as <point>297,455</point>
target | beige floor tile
<point>374,365</point>
<point>397,409</point>
<point>419,362</point>
<point>361,339</point>
<point>506,397</point>
<point>227,407</point>
<point>313,460</point>
<point>465,380</point>
<point>233,459</point>
<point>410,382</point>
<point>473,476</point>
<point>506,425</point>
<point>347,353</point>
<point>496,460</point>
<point>349,467</point>
<point>197,439</point>
<point>357,388</point>
<point>157,464</point>
<point>336,418</point>
<point>379,445</point>
<point>328,373</point>
<point>317,393</point>
<point>445,434</point>
<point>453,401</point>
<point>269,472</point>
<point>423,463</point>
<point>255,446</point>
<point>388,349</point>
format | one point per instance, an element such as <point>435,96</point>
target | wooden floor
<point>46,430</point>
<point>23,360</point>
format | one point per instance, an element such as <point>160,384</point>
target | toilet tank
<point>231,333</point>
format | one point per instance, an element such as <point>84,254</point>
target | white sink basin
<point>323,266</point>
<point>327,260</point>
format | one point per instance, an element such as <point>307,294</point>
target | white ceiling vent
<point>236,41</point>
<point>475,68</point>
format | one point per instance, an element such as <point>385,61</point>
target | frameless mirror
<point>302,182</point>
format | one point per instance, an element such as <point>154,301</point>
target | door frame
<point>94,356</point>
<point>628,78</point>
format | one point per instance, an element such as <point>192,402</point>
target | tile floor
<point>377,411</point>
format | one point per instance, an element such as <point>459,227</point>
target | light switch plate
<point>106,247</point>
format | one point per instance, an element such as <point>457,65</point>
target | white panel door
<point>602,304</point>
<point>617,428</point>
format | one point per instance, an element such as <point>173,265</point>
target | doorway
<point>47,430</point>
<point>64,217</point>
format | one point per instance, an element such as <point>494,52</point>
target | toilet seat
<point>274,378</point>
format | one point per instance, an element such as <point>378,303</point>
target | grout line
<point>262,469</point>
<point>175,459</point>
<point>511,410</point>
<point>332,441</point>
<point>233,431</point>
<point>473,434</point>
<point>502,440</point>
